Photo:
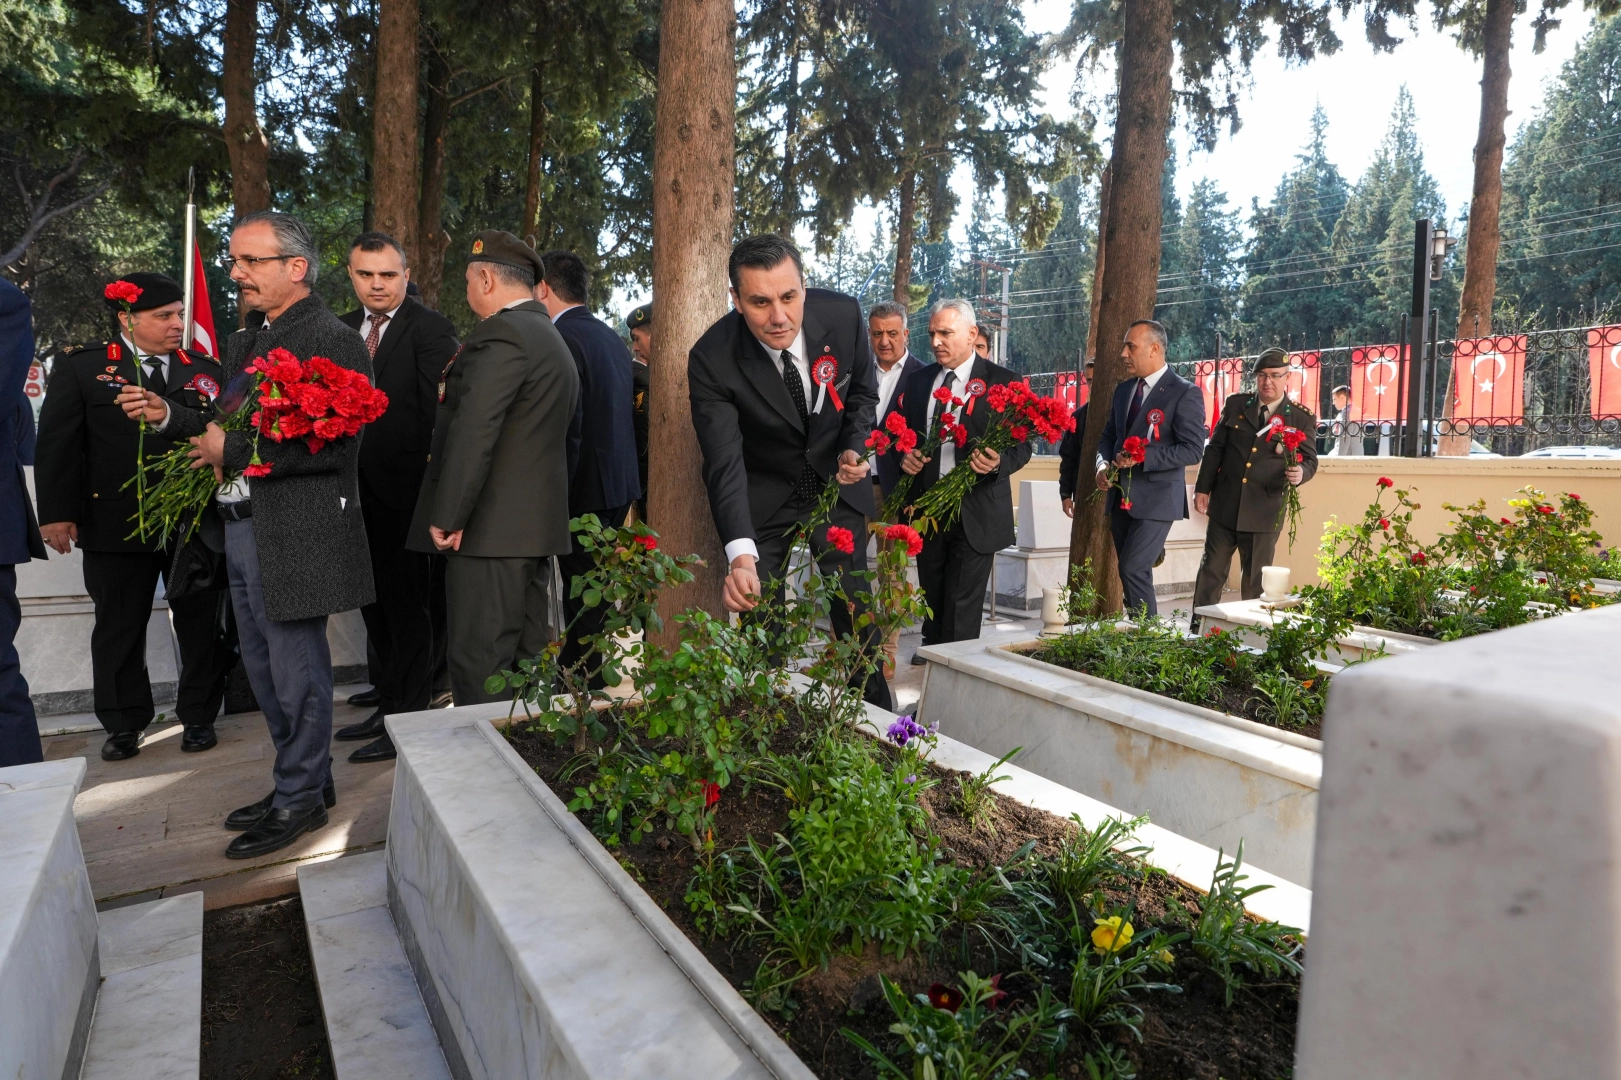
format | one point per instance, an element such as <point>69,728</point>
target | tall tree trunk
<point>1097,269</point>
<point>1486,204</point>
<point>428,271</point>
<point>245,140</point>
<point>694,171</point>
<point>394,122</point>
<point>905,233</point>
<point>790,147</point>
<point>1131,237</point>
<point>537,148</point>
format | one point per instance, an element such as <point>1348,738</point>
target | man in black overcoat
<point>19,532</point>
<point>640,321</point>
<point>85,462</point>
<point>955,563</point>
<point>783,397</point>
<point>409,346</point>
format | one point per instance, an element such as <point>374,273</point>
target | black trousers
<point>1138,544</point>
<point>499,613</point>
<point>1255,550</point>
<point>772,540</point>
<point>19,730</point>
<point>571,565</point>
<point>953,575</point>
<point>398,624</point>
<point>437,619</point>
<point>121,584</point>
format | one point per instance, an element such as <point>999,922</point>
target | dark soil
<point>1188,1036</point>
<point>261,1010</point>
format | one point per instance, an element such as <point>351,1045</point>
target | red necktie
<point>1136,404</point>
<point>376,335</point>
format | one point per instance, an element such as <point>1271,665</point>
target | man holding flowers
<point>1264,446</point>
<point>295,544</point>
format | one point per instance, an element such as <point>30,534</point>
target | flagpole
<point>189,259</point>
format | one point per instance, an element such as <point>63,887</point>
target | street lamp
<point>1440,244</point>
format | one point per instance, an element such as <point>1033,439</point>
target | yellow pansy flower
<point>1112,934</point>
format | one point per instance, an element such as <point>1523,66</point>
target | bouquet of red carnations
<point>1136,448</point>
<point>1288,440</point>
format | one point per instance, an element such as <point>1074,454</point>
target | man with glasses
<point>1243,477</point>
<point>295,542</point>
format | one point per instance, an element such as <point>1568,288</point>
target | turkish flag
<point>1378,376</point>
<point>1216,379</point>
<point>1604,370</point>
<point>1488,379</point>
<point>202,312</point>
<point>1067,387</point>
<point>1305,380</point>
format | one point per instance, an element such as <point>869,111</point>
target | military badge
<point>478,247</point>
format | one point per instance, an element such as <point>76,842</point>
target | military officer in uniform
<point>1242,480</point>
<point>84,460</point>
<point>640,321</point>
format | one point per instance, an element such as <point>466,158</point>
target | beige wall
<point>1343,487</point>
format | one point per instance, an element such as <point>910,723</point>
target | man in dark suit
<point>1069,449</point>
<point>495,496</point>
<point>19,533</point>
<point>1157,405</point>
<point>955,564</point>
<point>640,321</point>
<point>87,453</point>
<point>295,539</point>
<point>782,399</point>
<point>409,348</point>
<point>604,481</point>
<point>1242,480</point>
<point>886,326</point>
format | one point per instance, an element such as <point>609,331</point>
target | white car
<point>1609,452</point>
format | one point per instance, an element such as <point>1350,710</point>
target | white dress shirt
<point>956,380</point>
<point>365,324</point>
<point>743,545</point>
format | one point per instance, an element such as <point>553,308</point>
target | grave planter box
<point>1213,778</point>
<point>1241,617</point>
<point>538,955</point>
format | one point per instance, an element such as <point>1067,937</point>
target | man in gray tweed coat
<point>295,545</point>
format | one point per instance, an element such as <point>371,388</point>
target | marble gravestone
<point>1468,862</point>
<point>1042,521</point>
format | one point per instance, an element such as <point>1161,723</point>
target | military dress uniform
<point>84,462</point>
<point>1242,472</point>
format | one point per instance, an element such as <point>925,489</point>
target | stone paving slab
<point>148,1023</point>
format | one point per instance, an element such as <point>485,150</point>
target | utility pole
<point>986,302</point>
<point>1429,254</point>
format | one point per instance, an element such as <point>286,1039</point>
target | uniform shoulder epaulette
<point>187,356</point>
<point>76,350</point>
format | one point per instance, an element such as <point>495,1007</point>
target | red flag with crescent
<point>1488,379</point>
<point>1378,373</point>
<point>1306,381</point>
<point>1069,389</point>
<point>1216,379</point>
<point>1604,370</point>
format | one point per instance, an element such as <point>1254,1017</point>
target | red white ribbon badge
<point>976,388</point>
<point>1156,417</point>
<point>823,372</point>
<point>206,386</point>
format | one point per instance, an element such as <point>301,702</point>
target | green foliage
<point>1199,273</point>
<point>1112,966</point>
<point>1230,941</point>
<point>974,800</point>
<point>1087,859</point>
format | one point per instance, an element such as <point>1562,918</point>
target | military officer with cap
<point>85,460</point>
<point>1244,475</point>
<point>495,497</point>
<point>640,321</point>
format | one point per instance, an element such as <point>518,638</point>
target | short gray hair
<point>887,309</point>
<point>1155,331</point>
<point>959,305</point>
<point>292,237</point>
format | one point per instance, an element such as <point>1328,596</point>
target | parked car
<point>1608,452</point>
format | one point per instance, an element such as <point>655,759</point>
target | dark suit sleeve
<point>1069,455</point>
<point>1108,439</point>
<point>59,448</point>
<point>1186,444</point>
<point>576,427</point>
<point>714,418</point>
<point>861,401</point>
<point>1212,460</point>
<point>434,348</point>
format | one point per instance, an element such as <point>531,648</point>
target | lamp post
<point>1430,246</point>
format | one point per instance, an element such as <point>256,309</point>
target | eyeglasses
<point>251,261</point>
<point>1270,375</point>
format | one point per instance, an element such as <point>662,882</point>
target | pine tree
<point>1052,286</point>
<point>1199,281</point>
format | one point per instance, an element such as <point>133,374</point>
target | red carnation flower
<point>1384,523</point>
<point>878,442</point>
<point>1505,521</point>
<point>125,292</point>
<point>942,395</point>
<point>1019,432</point>
<point>907,535</point>
<point>841,539</point>
<point>906,441</point>
<point>896,423</point>
<point>945,997</point>
<point>711,793</point>
<point>1419,558</point>
<point>1125,504</point>
<point>651,543</point>
<point>257,469</point>
<point>1385,481</point>
<point>959,435</point>
<point>1136,447</point>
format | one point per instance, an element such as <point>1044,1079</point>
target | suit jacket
<point>641,382</point>
<point>313,557</point>
<point>19,531</point>
<point>754,444</point>
<point>1069,456</point>
<point>987,511</point>
<point>412,353</point>
<point>889,465</point>
<point>1243,472</point>
<point>605,475</point>
<point>87,446</point>
<point>1159,488</point>
<point>499,468</point>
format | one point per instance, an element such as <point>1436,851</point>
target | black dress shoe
<point>381,750</point>
<point>369,728</point>
<point>119,747</point>
<point>441,700</point>
<point>918,661</point>
<point>366,699</point>
<point>274,831</point>
<point>197,738</point>
<point>246,817</point>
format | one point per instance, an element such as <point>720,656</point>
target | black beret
<point>639,316</point>
<point>1272,358</point>
<point>493,245</point>
<point>157,290</point>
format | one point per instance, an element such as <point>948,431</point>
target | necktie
<point>1136,403</point>
<point>809,484</point>
<point>375,335</point>
<point>154,374</point>
<point>948,448</point>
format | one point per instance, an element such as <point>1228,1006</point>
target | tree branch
<point>41,217</point>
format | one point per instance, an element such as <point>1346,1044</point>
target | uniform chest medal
<point>976,389</point>
<point>1156,417</point>
<point>823,372</point>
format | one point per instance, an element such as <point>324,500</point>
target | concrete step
<point>376,1022</point>
<point>149,1012</point>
